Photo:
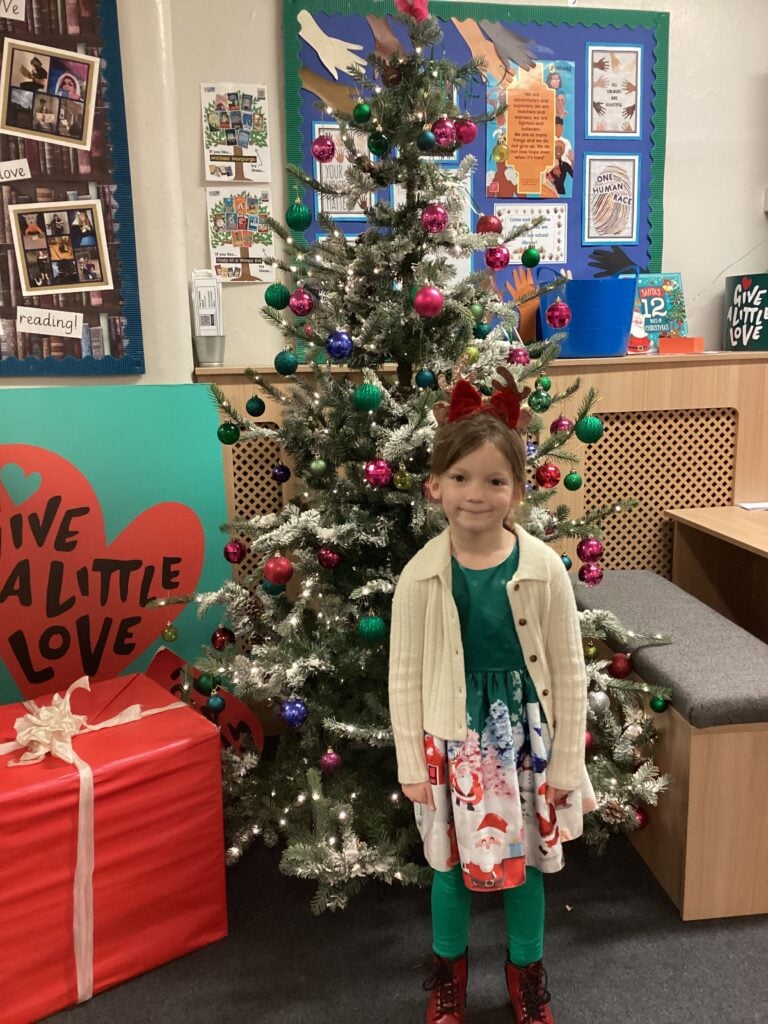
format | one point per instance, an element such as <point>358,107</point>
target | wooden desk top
<point>738,526</point>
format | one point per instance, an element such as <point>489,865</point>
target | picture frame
<point>611,198</point>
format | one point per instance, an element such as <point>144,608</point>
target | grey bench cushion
<point>718,673</point>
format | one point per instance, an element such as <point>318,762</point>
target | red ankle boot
<point>447,987</point>
<point>527,988</point>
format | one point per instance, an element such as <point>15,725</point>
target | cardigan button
<point>545,693</point>
<point>522,622</point>
<point>516,586</point>
<point>533,657</point>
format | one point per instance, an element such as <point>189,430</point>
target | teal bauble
<point>539,401</point>
<point>366,397</point>
<point>426,379</point>
<point>272,588</point>
<point>485,389</point>
<point>286,363</point>
<point>228,433</point>
<point>589,429</point>
<point>543,382</point>
<point>477,312</point>
<point>318,467</point>
<point>426,141</point>
<point>361,112</point>
<point>299,216</point>
<point>566,561</point>
<point>378,143</point>
<point>572,481</point>
<point>277,296</point>
<point>255,406</point>
<point>482,330</point>
<point>371,629</point>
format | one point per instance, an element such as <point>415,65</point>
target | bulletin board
<point>69,297</point>
<point>582,143</point>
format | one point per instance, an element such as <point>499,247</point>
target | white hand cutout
<point>335,54</point>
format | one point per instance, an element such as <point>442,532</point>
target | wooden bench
<point>707,841</point>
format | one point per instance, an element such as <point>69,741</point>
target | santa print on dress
<point>490,868</point>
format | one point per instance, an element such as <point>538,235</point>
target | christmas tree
<point>387,327</point>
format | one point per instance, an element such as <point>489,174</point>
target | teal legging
<point>523,910</point>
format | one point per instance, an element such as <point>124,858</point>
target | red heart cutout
<point>746,282</point>
<point>72,604</point>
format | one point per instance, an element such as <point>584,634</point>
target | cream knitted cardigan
<point>427,691</point>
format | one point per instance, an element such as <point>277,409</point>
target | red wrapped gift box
<point>158,880</point>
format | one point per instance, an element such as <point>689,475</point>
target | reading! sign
<point>73,603</point>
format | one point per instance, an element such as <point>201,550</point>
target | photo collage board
<point>69,301</point>
<point>581,143</point>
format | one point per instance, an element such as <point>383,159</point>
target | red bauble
<point>235,551</point>
<point>378,472</point>
<point>466,131</point>
<point>301,302</point>
<point>488,224</point>
<point>519,356</point>
<point>428,301</point>
<point>591,573</point>
<point>561,425</point>
<point>323,149</point>
<point>278,570</point>
<point>444,130</point>
<point>547,475</point>
<point>559,314</point>
<point>589,740</point>
<point>221,638</point>
<point>620,666</point>
<point>329,762</point>
<point>328,558</point>
<point>434,217</point>
<point>589,549</point>
<point>641,817</point>
<point>497,257</point>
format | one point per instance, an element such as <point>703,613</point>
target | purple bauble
<point>294,712</point>
<point>434,217</point>
<point>591,573</point>
<point>559,314</point>
<point>497,257</point>
<point>221,638</point>
<point>378,472</point>
<point>519,356</point>
<point>323,149</point>
<point>466,131</point>
<point>561,425</point>
<point>338,345</point>
<point>235,551</point>
<point>329,762</point>
<point>328,558</point>
<point>589,549</point>
<point>301,302</point>
<point>444,130</point>
<point>428,301</point>
<point>642,818</point>
<point>281,473</point>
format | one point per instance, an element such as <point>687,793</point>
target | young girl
<point>488,694</point>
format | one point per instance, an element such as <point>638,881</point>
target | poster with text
<point>610,198</point>
<point>530,148</point>
<point>333,173</point>
<point>235,131</point>
<point>241,241</point>
<point>550,236</point>
<point>614,92</point>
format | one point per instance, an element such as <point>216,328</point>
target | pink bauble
<point>329,762</point>
<point>559,314</point>
<point>589,549</point>
<point>428,301</point>
<point>642,818</point>
<point>426,492</point>
<point>591,573</point>
<point>378,472</point>
<point>561,425</point>
<point>444,130</point>
<point>301,302</point>
<point>278,570</point>
<point>328,558</point>
<point>497,257</point>
<point>488,224</point>
<point>235,551</point>
<point>547,475</point>
<point>323,149</point>
<point>434,217</point>
<point>518,356</point>
<point>466,131</point>
<point>589,740</point>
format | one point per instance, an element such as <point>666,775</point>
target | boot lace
<point>533,986</point>
<point>444,979</point>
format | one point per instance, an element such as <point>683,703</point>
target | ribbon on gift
<point>50,730</point>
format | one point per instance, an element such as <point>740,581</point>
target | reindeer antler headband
<point>505,402</point>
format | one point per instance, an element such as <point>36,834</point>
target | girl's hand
<point>419,793</point>
<point>554,796</point>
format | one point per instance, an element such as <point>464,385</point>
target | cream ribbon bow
<point>50,730</point>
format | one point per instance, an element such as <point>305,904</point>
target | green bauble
<point>286,363</point>
<point>361,113</point>
<point>590,651</point>
<point>539,401</point>
<point>255,406</point>
<point>378,143</point>
<point>658,704</point>
<point>477,311</point>
<point>589,430</point>
<point>471,353</point>
<point>543,382</point>
<point>366,397</point>
<point>277,296</point>
<point>299,216</point>
<point>402,480</point>
<point>371,629</point>
<point>228,433</point>
<point>412,292</point>
<point>482,330</point>
<point>169,633</point>
<point>485,389</point>
<point>572,481</point>
<point>318,467</point>
<point>204,684</point>
<point>531,257</point>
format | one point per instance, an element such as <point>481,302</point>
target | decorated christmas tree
<point>386,328</point>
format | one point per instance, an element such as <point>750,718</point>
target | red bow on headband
<point>467,400</point>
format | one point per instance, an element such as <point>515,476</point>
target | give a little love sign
<point>746,313</point>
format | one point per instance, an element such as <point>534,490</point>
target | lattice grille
<point>666,459</point>
<point>254,492</point>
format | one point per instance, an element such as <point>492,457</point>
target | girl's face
<point>478,491</point>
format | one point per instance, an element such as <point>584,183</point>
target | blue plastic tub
<point>602,317</point>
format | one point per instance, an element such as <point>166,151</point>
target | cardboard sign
<point>13,10</point>
<point>64,324</point>
<point>746,313</point>
<point>14,170</point>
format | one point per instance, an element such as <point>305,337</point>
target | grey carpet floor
<point>616,951</point>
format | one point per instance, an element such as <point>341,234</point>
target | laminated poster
<point>235,132</point>
<point>334,173</point>
<point>611,186</point>
<point>613,101</point>
<point>241,241</point>
<point>550,237</point>
<point>659,311</point>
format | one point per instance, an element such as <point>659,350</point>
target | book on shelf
<point>73,17</point>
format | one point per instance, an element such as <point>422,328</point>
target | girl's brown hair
<point>455,440</point>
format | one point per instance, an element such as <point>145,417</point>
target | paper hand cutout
<point>612,261</point>
<point>335,54</point>
<point>387,43</point>
<point>510,46</point>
